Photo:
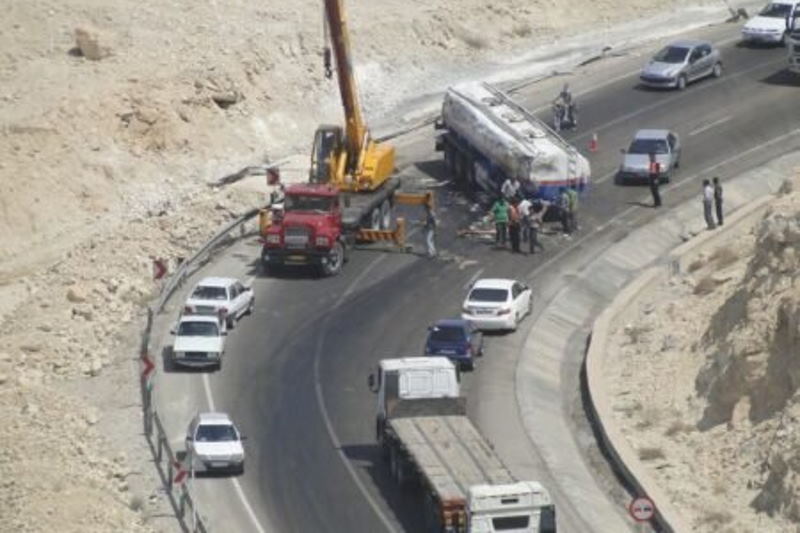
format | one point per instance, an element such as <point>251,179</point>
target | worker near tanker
<point>565,101</point>
<point>514,226</point>
<point>499,214</point>
<point>430,231</point>
<point>510,189</point>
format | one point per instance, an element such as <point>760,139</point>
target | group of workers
<point>518,218</point>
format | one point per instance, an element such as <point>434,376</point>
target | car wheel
<point>782,42</point>
<point>717,70</point>
<point>249,310</point>
<point>681,85</point>
<point>230,322</point>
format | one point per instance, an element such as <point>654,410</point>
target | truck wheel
<point>681,85</point>
<point>335,260</point>
<point>386,215</point>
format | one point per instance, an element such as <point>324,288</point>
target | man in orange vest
<point>654,177</point>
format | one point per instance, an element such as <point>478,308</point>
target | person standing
<point>500,216</point>
<point>654,178</point>
<point>430,231</point>
<point>572,196</point>
<point>510,189</point>
<point>533,232</point>
<point>718,199</point>
<point>524,208</point>
<point>708,199</point>
<point>514,227</point>
<point>563,206</point>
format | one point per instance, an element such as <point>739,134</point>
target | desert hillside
<point>706,377</point>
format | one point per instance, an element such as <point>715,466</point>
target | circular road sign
<point>642,509</point>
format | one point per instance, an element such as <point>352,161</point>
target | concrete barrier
<point>624,458</point>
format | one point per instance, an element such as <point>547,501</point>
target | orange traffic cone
<point>593,143</point>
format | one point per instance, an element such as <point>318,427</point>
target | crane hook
<point>328,65</point>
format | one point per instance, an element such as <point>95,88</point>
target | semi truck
<point>793,38</point>
<point>426,437</point>
<point>487,138</point>
<point>351,188</point>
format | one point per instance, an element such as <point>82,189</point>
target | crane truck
<point>488,138</point>
<point>426,437</point>
<point>793,38</point>
<point>351,188</point>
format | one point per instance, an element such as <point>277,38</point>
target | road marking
<point>236,485</point>
<point>472,280</point>
<point>603,178</point>
<point>321,400</point>
<point>701,129</point>
<point>685,181</point>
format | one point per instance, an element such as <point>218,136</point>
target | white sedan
<point>497,304</point>
<point>769,26</point>
<point>226,298</point>
<point>214,444</point>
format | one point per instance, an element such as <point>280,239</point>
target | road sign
<point>642,509</point>
<point>180,473</point>
<point>147,366</point>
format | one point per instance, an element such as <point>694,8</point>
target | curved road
<point>296,376</point>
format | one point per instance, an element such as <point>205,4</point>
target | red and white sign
<point>159,268</point>
<point>642,509</point>
<point>180,473</point>
<point>147,365</point>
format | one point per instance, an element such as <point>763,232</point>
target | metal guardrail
<point>165,459</point>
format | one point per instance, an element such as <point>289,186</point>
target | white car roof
<point>401,363</point>
<point>214,418</point>
<point>651,134</point>
<point>493,283</point>
<point>216,282</point>
<point>199,318</point>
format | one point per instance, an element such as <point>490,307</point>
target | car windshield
<point>776,11</point>
<point>198,329</point>
<point>648,146</point>
<point>488,295</point>
<point>216,433</point>
<point>299,202</point>
<point>672,54</point>
<point>209,293</point>
<point>447,334</point>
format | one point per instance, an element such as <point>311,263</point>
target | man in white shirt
<point>510,188</point>
<point>708,203</point>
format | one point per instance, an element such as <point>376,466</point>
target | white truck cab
<point>793,38</point>
<point>413,378</point>
<point>523,507</point>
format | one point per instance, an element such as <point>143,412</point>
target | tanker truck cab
<point>523,507</point>
<point>308,231</point>
<point>412,378</point>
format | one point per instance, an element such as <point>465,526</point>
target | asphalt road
<point>296,379</point>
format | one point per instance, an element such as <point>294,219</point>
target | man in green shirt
<point>500,217</point>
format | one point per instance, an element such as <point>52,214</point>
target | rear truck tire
<point>681,83</point>
<point>386,215</point>
<point>335,260</point>
<point>717,70</point>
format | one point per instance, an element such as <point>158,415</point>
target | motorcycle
<point>564,116</point>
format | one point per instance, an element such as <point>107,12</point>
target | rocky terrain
<point>705,372</point>
<point>115,115</point>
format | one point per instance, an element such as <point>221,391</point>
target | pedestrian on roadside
<point>718,199</point>
<point>514,226</point>
<point>510,189</point>
<point>708,200</point>
<point>654,179</point>
<point>430,231</point>
<point>533,233</point>
<point>500,217</point>
<point>572,196</point>
<point>524,208</point>
<point>563,206</point>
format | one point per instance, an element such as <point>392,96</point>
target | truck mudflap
<point>454,516</point>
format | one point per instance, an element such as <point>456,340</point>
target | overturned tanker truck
<point>488,137</point>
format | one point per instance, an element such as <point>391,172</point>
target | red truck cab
<point>308,231</point>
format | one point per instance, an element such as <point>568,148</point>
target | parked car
<point>457,339</point>
<point>214,444</point>
<point>199,341</point>
<point>227,298</point>
<point>635,165</point>
<point>497,304</point>
<point>769,26</point>
<point>680,63</point>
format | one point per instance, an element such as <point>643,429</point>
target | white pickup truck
<point>199,341</point>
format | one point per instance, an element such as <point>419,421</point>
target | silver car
<point>681,63</point>
<point>636,159</point>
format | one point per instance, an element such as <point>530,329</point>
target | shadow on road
<point>783,78</point>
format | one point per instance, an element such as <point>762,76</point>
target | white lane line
<point>707,127</point>
<point>236,485</point>
<point>321,401</point>
<point>474,277</point>
<point>601,179</point>
<point>685,181</point>
<point>629,74</point>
